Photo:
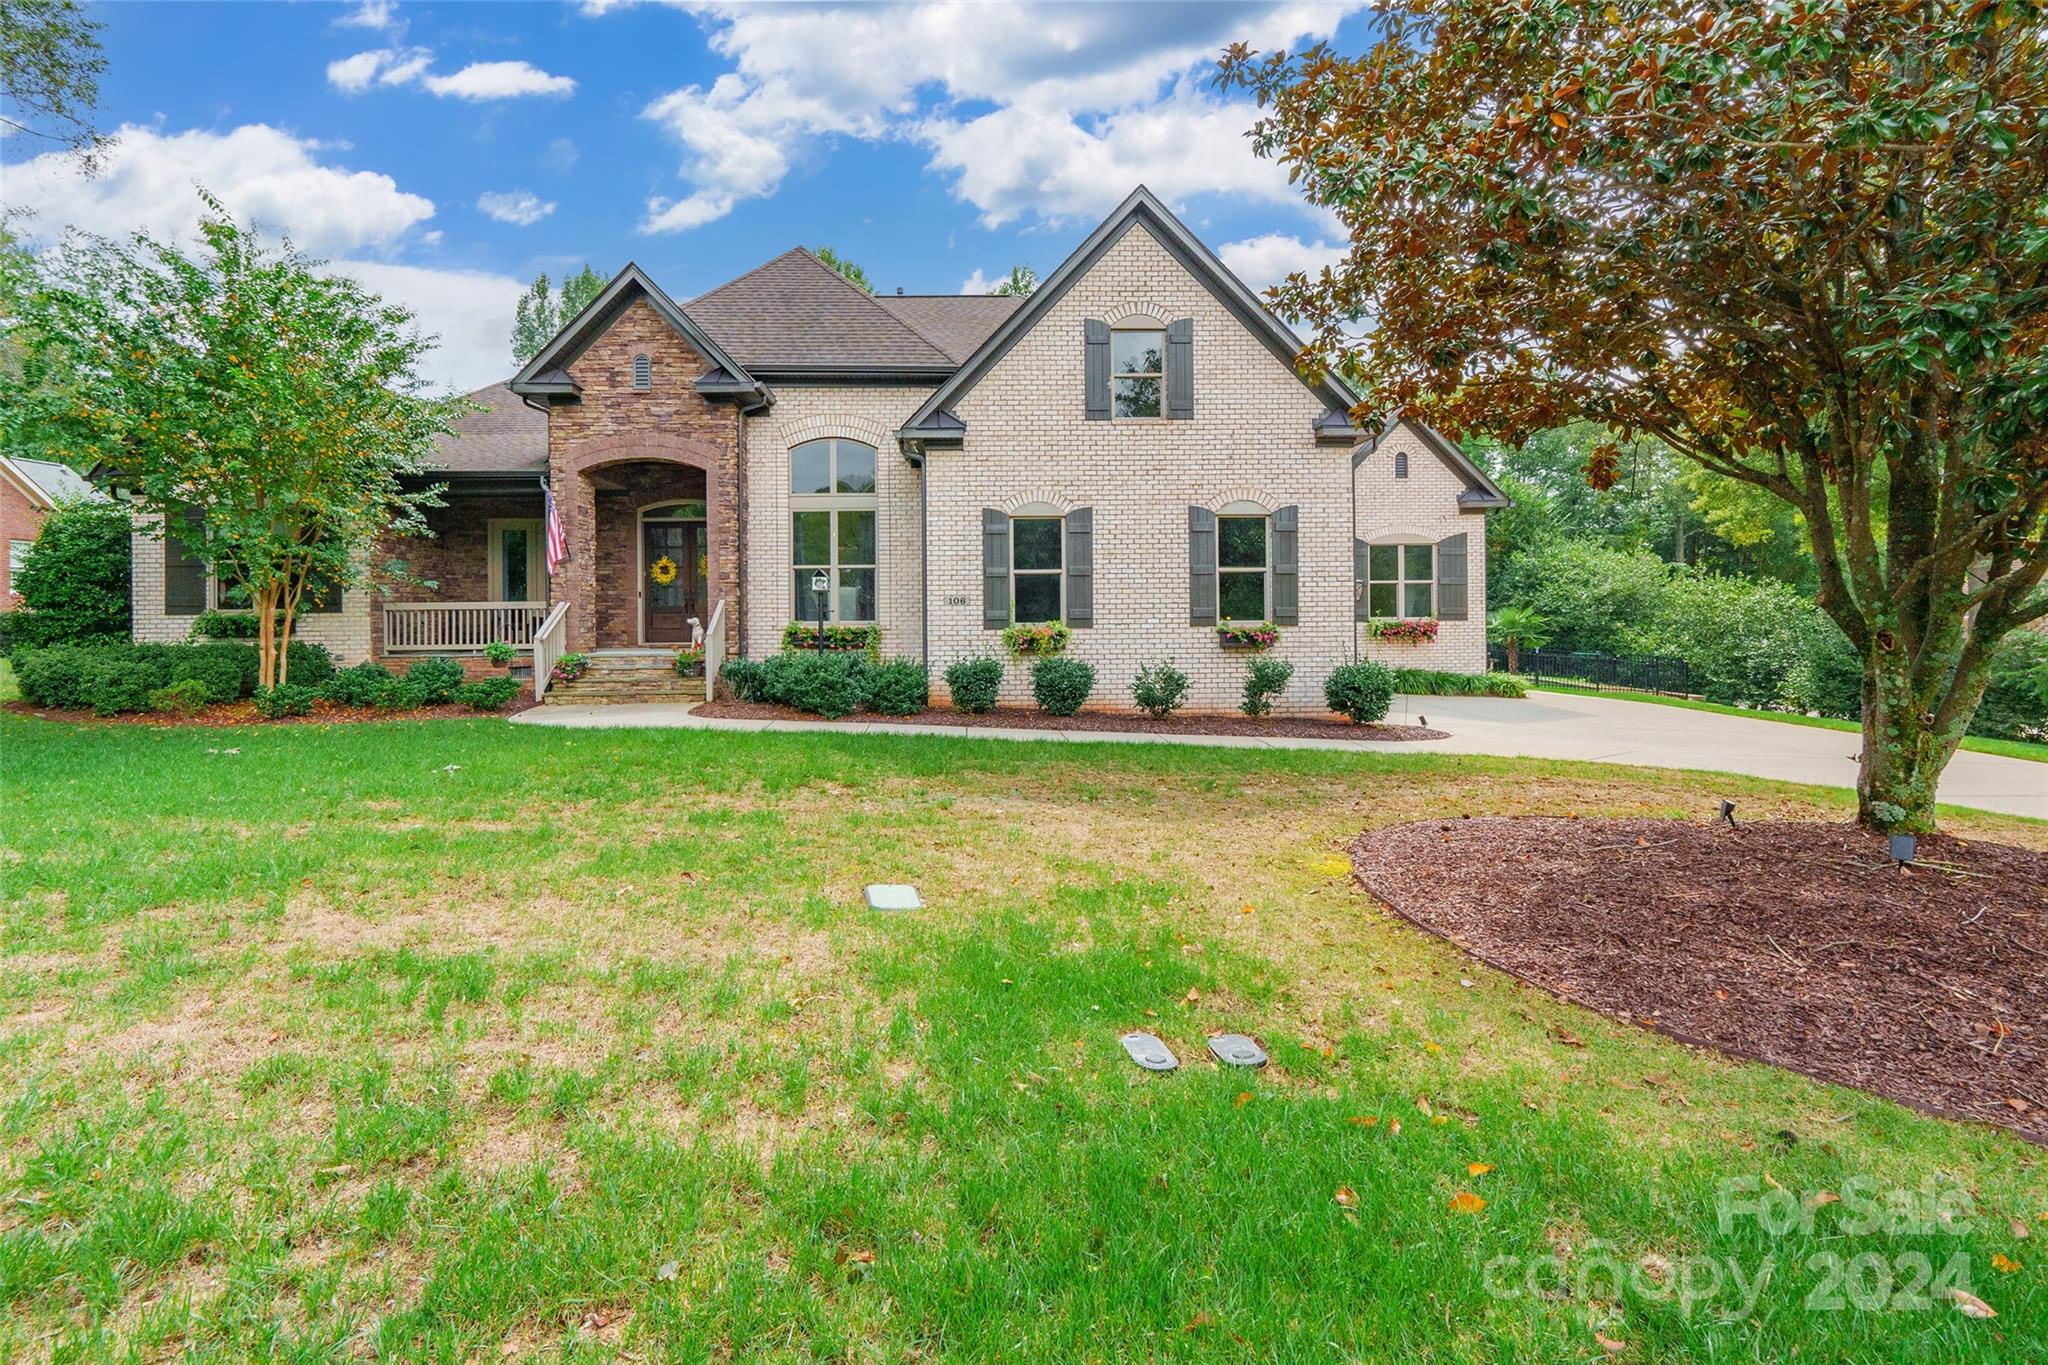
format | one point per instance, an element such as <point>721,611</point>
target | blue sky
<point>446,153</point>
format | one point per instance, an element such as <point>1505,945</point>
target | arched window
<point>832,529</point>
<point>643,372</point>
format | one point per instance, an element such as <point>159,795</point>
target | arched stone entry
<point>601,489</point>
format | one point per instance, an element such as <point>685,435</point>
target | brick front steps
<point>627,675</point>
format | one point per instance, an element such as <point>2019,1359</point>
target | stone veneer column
<point>576,584</point>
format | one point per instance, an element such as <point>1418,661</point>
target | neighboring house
<point>28,490</point>
<point>1129,449</point>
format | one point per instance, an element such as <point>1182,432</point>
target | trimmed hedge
<point>975,683</point>
<point>488,694</point>
<point>361,685</point>
<point>1061,685</point>
<point>436,679</point>
<point>900,687</point>
<point>186,697</point>
<point>286,699</point>
<point>1362,691</point>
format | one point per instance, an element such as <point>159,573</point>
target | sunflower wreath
<point>662,571</point>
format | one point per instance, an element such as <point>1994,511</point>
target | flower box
<point>1254,638</point>
<point>1038,640</point>
<point>804,635</point>
<point>1420,631</point>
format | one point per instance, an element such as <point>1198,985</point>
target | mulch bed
<point>1801,945</point>
<point>244,713</point>
<point>1019,718</point>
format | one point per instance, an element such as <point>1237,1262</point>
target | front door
<point>673,591</point>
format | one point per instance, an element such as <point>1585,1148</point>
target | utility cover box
<point>893,896</point>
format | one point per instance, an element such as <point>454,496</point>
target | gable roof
<point>1142,207</point>
<point>48,483</point>
<point>1480,492</point>
<point>504,436</point>
<point>956,323</point>
<point>797,315</point>
<point>547,374</point>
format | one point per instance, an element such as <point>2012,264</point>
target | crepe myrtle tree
<point>1804,244</point>
<point>267,412</point>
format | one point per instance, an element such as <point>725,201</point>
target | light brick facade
<point>615,450</point>
<point>346,632</point>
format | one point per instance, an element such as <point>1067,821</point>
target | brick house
<point>1129,450</point>
<point>29,491</point>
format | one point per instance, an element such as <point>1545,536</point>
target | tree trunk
<point>1514,655</point>
<point>1903,752</point>
<point>266,637</point>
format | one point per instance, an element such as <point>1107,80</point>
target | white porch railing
<point>457,627</point>
<point>550,642</point>
<point>714,650</point>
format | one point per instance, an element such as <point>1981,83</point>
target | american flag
<point>558,540</point>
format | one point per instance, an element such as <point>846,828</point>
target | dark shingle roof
<point>506,437</point>
<point>955,323</point>
<point>797,313</point>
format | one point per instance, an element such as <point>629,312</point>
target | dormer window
<point>1137,369</point>
<point>643,372</point>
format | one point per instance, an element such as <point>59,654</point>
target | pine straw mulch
<point>244,713</point>
<point>1797,944</point>
<point>1125,722</point>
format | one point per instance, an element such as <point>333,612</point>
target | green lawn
<point>467,1041</point>
<point>2011,748</point>
<point>8,690</point>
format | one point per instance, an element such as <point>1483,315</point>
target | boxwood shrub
<point>286,699</point>
<point>186,697</point>
<point>1159,689</point>
<point>975,683</point>
<point>436,679</point>
<point>743,676</point>
<point>226,671</point>
<point>1061,684</point>
<point>900,687</point>
<point>361,685</point>
<point>117,681</point>
<point>488,694</point>
<point>53,676</point>
<point>1362,691</point>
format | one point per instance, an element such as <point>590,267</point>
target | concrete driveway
<point>1609,730</point>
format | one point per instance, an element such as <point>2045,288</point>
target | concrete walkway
<point>1547,725</point>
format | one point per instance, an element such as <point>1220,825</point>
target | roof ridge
<point>867,296</point>
<point>747,275</point>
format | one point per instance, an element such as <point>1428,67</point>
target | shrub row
<point>180,679</point>
<point>1431,683</point>
<point>835,685</point>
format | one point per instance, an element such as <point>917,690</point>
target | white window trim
<point>835,503</point>
<point>1039,513</point>
<point>1401,581</point>
<point>494,556</point>
<point>1138,323</point>
<point>1244,511</point>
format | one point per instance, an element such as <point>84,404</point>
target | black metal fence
<point>1655,673</point>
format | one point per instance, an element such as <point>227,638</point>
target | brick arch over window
<point>579,583</point>
<point>844,426</point>
<point>1242,493</point>
<point>1039,497</point>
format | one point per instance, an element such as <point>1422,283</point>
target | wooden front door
<point>676,546</point>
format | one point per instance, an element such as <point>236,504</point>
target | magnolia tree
<point>1804,244</point>
<point>269,414</point>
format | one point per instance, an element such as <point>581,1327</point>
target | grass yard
<point>2010,748</point>
<point>464,1041</point>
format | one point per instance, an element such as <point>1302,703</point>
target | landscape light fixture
<point>1903,847</point>
<point>1728,812</point>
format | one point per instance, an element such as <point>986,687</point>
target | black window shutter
<point>1201,567</point>
<point>995,568</point>
<point>1081,567</point>
<point>184,571</point>
<point>1180,369</point>
<point>1096,371</point>
<point>1361,589</point>
<point>1287,566</point>
<point>1450,578</point>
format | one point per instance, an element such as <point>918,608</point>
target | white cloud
<point>477,81</point>
<point>264,175</point>
<point>499,81</point>
<point>978,283</point>
<point>522,208</point>
<point>469,310</point>
<point>376,14</point>
<point>1095,97</point>
<point>1267,260</point>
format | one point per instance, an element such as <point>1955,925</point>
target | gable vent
<point>643,372</point>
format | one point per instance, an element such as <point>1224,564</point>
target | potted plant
<point>1254,636</point>
<point>569,668</point>
<point>1035,640</point>
<point>499,654</point>
<point>1418,631</point>
<point>690,661</point>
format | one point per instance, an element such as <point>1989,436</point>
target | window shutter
<point>1097,370</point>
<point>995,568</point>
<point>1180,369</point>
<point>1287,566</point>
<point>1081,567</point>
<point>1450,578</point>
<point>1361,590</point>
<point>1201,567</point>
<point>184,572</point>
